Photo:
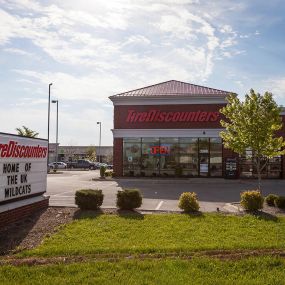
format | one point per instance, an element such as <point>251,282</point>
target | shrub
<point>280,202</point>
<point>188,202</point>
<point>88,199</point>
<point>102,171</point>
<point>252,200</point>
<point>113,174</point>
<point>109,173</point>
<point>270,199</point>
<point>129,199</point>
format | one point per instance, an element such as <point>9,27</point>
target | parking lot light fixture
<point>56,146</point>
<point>49,86</point>
<point>99,155</point>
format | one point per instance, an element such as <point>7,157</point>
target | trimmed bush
<point>108,173</point>
<point>129,199</point>
<point>280,202</point>
<point>89,199</point>
<point>251,200</point>
<point>188,202</point>
<point>102,171</point>
<point>270,199</point>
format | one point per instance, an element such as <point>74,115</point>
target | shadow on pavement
<point>207,189</point>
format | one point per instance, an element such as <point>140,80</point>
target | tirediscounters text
<point>23,167</point>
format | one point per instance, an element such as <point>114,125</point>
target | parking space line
<point>159,205</point>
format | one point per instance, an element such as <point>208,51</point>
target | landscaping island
<point>124,247</point>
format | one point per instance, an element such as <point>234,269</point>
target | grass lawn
<point>163,233</point>
<point>263,270</point>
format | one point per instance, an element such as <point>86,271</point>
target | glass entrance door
<point>204,164</point>
<point>203,157</point>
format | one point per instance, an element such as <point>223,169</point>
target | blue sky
<point>92,49</point>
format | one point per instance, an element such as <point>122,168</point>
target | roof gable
<point>172,88</point>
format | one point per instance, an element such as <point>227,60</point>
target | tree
<point>91,153</point>
<point>26,132</point>
<point>253,124</point>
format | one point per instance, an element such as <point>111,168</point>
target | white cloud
<point>95,49</point>
<point>276,86</point>
<point>17,51</point>
<point>68,87</point>
<point>65,36</point>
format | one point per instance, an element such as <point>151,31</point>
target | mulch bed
<point>28,233</point>
<point>267,210</point>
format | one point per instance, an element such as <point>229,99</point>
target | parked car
<point>108,166</point>
<point>57,165</point>
<point>83,163</point>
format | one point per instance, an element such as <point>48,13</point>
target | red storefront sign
<point>155,115</point>
<point>163,150</point>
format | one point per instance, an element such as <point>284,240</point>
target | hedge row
<point>127,199</point>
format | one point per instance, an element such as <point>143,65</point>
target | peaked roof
<point>170,88</point>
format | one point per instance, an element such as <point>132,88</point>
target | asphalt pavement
<point>158,194</point>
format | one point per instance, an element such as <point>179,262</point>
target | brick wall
<point>11,216</point>
<point>118,156</point>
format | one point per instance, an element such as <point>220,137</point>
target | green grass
<point>262,270</point>
<point>163,233</point>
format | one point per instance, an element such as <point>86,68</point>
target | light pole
<point>48,118</point>
<point>99,123</point>
<point>56,146</point>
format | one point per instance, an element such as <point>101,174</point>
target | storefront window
<point>150,157</point>
<point>132,157</point>
<point>172,157</point>
<point>169,160</point>
<point>189,156</point>
<point>248,169</point>
<point>216,157</point>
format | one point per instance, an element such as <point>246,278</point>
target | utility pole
<point>48,118</point>
<point>99,123</point>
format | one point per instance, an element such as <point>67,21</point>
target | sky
<point>92,49</point>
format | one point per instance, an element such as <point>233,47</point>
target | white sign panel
<point>23,166</point>
<point>203,167</point>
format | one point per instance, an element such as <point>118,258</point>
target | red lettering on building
<point>168,117</point>
<point>14,150</point>
<point>163,149</point>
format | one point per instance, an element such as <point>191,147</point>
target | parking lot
<point>158,194</point>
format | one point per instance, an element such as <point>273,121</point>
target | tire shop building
<point>172,129</point>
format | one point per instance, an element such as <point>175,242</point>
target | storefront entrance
<point>173,157</point>
<point>204,164</point>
